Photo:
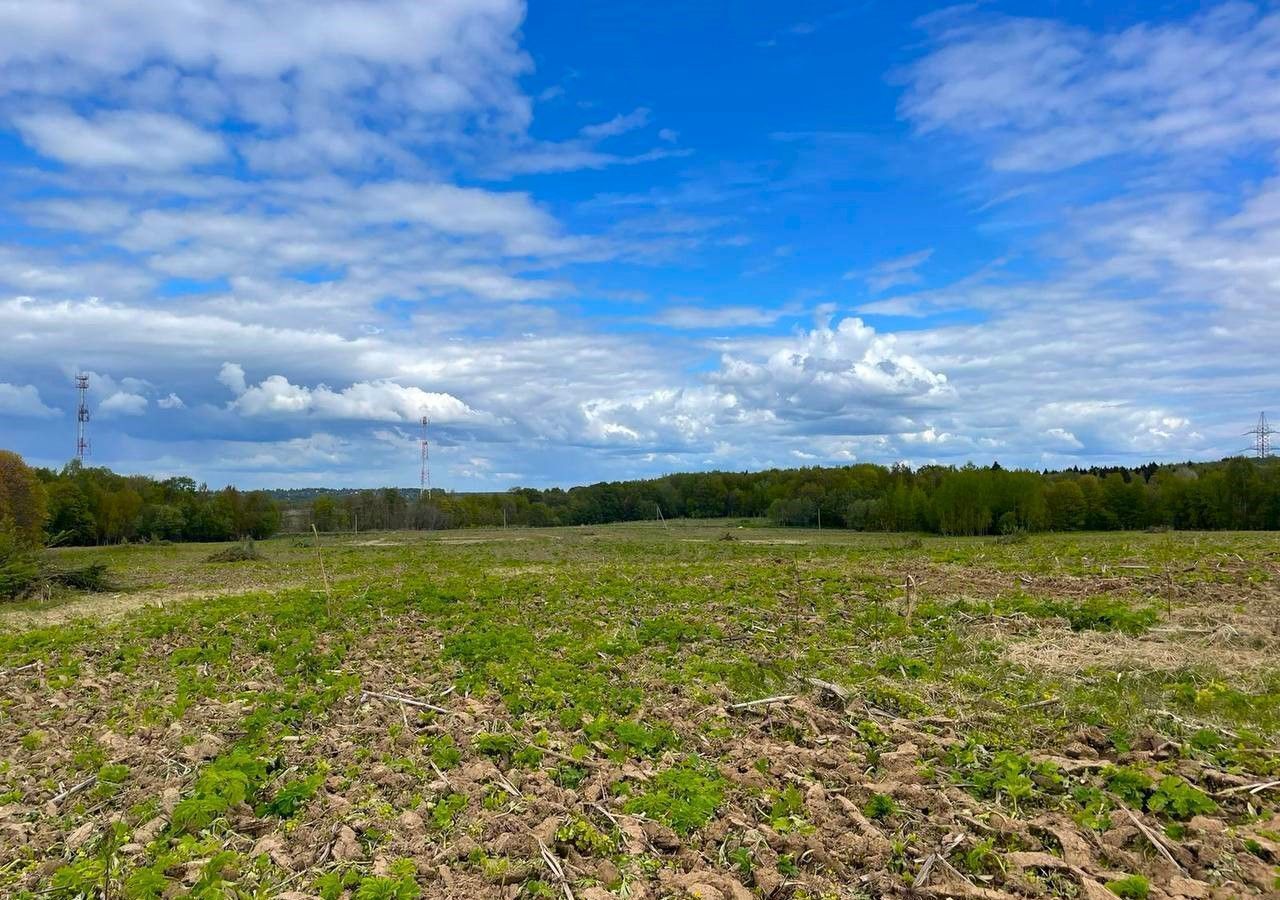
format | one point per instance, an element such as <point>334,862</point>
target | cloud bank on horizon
<point>615,242</point>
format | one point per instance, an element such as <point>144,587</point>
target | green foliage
<point>684,796</point>
<point>293,796</point>
<point>82,878</point>
<point>22,501</point>
<point>444,753</point>
<point>110,778</point>
<point>872,733</point>
<point>966,500</point>
<point>981,858</point>
<point>446,809</point>
<point>224,783</point>
<point>1132,887</point>
<point>1005,776</point>
<point>145,884</point>
<point>880,806</point>
<point>19,564</point>
<point>399,885</point>
<point>580,702</point>
<point>495,746</point>
<point>95,505</point>
<point>1093,807</point>
<point>585,837</point>
<point>1129,784</point>
<point>1177,799</point>
<point>786,811</point>
<point>634,737</point>
<point>332,885</point>
<point>569,776</point>
<point>1094,614</point>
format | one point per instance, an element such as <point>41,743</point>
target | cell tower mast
<point>1262,433</point>
<point>82,417</point>
<point>424,478</point>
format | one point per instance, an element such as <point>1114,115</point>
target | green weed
<point>685,796</point>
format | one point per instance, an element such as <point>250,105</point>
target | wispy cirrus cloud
<point>896,272</point>
<point>1040,95</point>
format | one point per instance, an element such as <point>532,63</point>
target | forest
<point>1236,493</point>
<point>82,505</point>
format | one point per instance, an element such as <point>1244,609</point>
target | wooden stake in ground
<point>912,595</point>
<point>328,594</point>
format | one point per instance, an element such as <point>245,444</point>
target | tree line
<point>1234,493</point>
<point>93,505</point>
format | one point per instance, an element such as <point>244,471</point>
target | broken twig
<point>75,789</point>
<point>764,701</point>
<point>406,701</point>
<point>1250,788</point>
<point>1154,839</point>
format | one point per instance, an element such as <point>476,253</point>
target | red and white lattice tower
<point>82,417</point>
<point>424,478</point>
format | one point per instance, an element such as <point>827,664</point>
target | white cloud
<point>127,139</point>
<point>703,317</point>
<point>232,375</point>
<point>310,452</point>
<point>1063,438</point>
<point>379,400</point>
<point>23,400</point>
<point>377,277</point>
<point>828,375</point>
<point>313,76</point>
<point>619,124</point>
<point>894,272</point>
<point>1044,96</point>
<point>123,403</point>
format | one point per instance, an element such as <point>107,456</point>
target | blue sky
<point>614,240</point>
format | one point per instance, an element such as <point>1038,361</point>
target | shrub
<point>19,564</point>
<point>245,551</point>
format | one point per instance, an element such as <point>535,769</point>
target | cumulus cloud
<point>232,375</point>
<point>383,400</point>
<point>23,400</point>
<point>123,403</point>
<point>1060,437</point>
<point>1097,423</point>
<point>828,374</point>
